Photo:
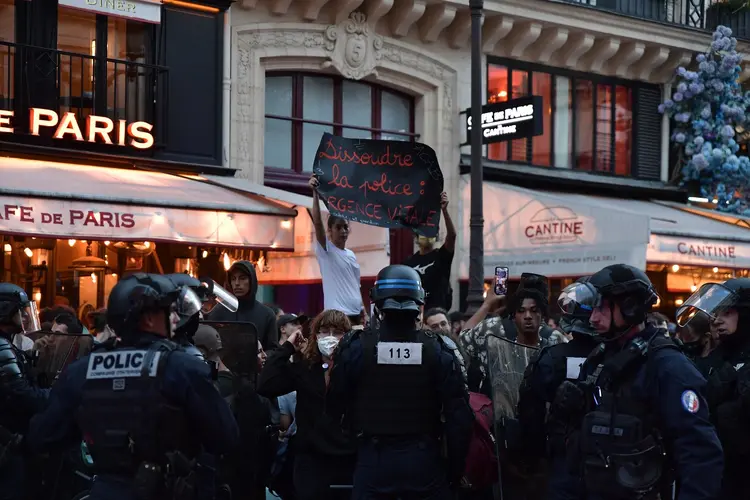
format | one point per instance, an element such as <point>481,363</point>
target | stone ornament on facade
<point>354,48</point>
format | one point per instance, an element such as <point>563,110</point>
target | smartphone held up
<point>501,280</point>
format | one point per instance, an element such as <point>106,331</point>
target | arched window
<point>301,107</point>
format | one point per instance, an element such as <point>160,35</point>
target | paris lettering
<point>71,217</point>
<point>95,129</point>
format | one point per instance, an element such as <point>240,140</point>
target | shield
<point>53,351</point>
<point>239,346</point>
<point>507,361</point>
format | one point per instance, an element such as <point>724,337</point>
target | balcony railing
<point>699,14</point>
<point>37,77</point>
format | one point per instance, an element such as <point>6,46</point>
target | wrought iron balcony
<point>60,81</point>
<point>699,14</point>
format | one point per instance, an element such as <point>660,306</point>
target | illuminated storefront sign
<point>514,119</point>
<point>96,129</point>
<point>141,10</point>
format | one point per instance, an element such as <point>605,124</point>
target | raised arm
<point>320,232</point>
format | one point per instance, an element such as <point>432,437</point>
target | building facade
<point>400,69</point>
<point>110,115</point>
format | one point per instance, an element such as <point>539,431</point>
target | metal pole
<point>476,220</point>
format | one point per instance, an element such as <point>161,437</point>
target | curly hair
<point>330,318</point>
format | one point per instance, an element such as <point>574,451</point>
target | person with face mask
<point>143,406</point>
<point>727,368</point>
<point>434,264</point>
<point>401,389</point>
<point>324,454</point>
<point>20,395</point>
<point>696,339</point>
<point>642,417</point>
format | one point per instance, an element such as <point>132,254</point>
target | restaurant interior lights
<point>7,248</point>
<point>675,268</point>
<point>286,224</point>
<point>227,261</point>
<point>72,243</point>
<point>29,253</point>
<point>715,269</point>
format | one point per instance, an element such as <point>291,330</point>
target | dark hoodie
<point>250,309</point>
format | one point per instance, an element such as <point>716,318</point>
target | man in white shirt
<point>339,268</point>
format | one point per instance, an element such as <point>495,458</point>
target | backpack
<point>481,469</point>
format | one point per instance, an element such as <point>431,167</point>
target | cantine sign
<point>96,129</point>
<point>512,119</point>
<point>676,250</point>
<point>552,225</point>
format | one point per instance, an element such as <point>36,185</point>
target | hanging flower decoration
<point>707,106</point>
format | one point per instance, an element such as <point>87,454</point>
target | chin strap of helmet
<point>614,333</point>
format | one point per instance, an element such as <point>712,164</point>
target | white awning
<point>64,200</point>
<point>369,243</point>
<point>551,234</point>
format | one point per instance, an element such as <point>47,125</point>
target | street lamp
<point>476,220</point>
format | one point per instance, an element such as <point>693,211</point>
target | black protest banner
<point>381,183</point>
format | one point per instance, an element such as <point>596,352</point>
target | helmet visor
<point>187,304</point>
<point>578,300</point>
<point>711,299</point>
<point>30,318</point>
<point>222,296</point>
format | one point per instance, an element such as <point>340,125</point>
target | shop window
<point>104,65</point>
<point>301,107</point>
<point>7,36</point>
<point>588,119</point>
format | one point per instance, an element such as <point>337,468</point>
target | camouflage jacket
<point>473,341</point>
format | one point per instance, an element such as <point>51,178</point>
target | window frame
<point>295,177</point>
<point>573,76</point>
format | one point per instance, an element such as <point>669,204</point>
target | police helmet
<point>713,298</point>
<point>576,302</point>
<point>136,294</point>
<point>200,288</point>
<point>14,300</point>
<point>398,288</point>
<point>629,287</point>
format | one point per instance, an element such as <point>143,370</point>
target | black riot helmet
<point>136,294</point>
<point>630,288</point>
<point>398,288</point>
<point>714,298</point>
<point>576,302</point>
<point>17,310</point>
<point>188,305</point>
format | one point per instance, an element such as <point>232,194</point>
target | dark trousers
<point>12,479</point>
<point>401,470</point>
<point>314,473</point>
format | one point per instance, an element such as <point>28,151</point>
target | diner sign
<point>141,10</point>
<point>58,218</point>
<point>381,183</point>
<point>95,129</point>
<point>514,119</point>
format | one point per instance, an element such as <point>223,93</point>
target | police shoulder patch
<point>120,364</point>
<point>690,401</point>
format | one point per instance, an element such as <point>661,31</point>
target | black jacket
<point>250,310</point>
<point>316,432</point>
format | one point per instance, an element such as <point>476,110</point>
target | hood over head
<point>246,267</point>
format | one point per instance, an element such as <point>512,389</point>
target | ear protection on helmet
<point>634,308</point>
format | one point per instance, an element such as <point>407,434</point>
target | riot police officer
<point>144,407</point>
<point>727,369</point>
<point>391,384</point>
<point>21,398</point>
<point>643,411</point>
<point>543,377</point>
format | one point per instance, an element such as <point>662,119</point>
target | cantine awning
<point>64,200</point>
<point>551,234</point>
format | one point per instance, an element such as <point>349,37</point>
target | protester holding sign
<point>434,265</point>
<point>339,269</point>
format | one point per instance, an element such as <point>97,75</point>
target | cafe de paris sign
<point>96,129</point>
<point>514,119</point>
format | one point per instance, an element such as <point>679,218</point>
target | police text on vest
<point>119,364</point>
<point>399,353</point>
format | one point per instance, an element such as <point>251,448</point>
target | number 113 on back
<point>399,353</point>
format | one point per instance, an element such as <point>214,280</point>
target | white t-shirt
<point>340,273</point>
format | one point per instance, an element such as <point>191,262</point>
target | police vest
<point>124,418</point>
<point>397,393</point>
<point>622,450</point>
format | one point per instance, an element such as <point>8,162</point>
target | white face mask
<point>327,345</point>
